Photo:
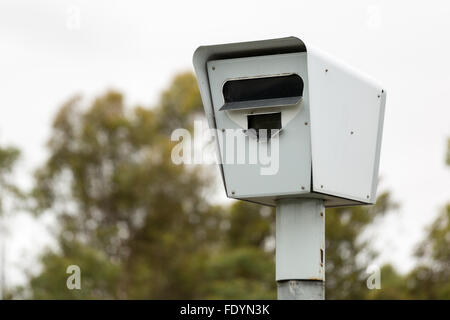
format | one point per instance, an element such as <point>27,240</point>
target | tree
<point>120,201</point>
<point>431,278</point>
<point>394,286</point>
<point>244,268</point>
<point>8,159</point>
<point>10,196</point>
<point>345,272</point>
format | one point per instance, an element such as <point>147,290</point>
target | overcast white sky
<point>51,50</point>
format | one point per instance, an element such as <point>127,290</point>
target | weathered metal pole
<point>300,249</point>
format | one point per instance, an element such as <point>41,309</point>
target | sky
<point>52,50</point>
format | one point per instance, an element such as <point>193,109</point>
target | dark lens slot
<point>263,88</point>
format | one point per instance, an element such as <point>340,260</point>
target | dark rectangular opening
<point>269,121</point>
<point>262,92</point>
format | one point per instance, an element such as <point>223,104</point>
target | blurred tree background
<point>11,199</point>
<point>8,160</point>
<point>140,227</point>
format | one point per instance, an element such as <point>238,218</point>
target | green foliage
<point>8,159</point>
<point>249,225</point>
<point>8,191</point>
<point>179,104</point>
<point>100,275</point>
<point>431,278</point>
<point>244,267</point>
<point>394,286</point>
<point>110,180</point>
<point>345,275</point>
<point>246,272</point>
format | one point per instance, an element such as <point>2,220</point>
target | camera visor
<point>262,92</point>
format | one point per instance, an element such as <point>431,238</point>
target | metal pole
<point>300,249</point>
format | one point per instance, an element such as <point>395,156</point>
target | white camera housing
<point>327,119</point>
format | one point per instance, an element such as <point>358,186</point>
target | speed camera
<point>317,122</point>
